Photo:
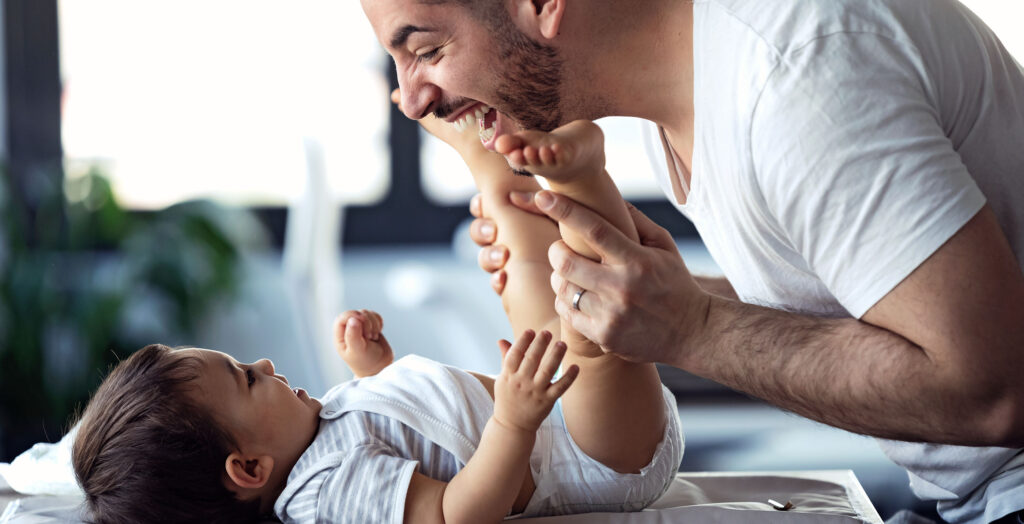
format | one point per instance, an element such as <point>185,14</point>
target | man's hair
<point>490,12</point>
<point>146,452</point>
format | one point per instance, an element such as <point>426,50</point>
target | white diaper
<point>569,481</point>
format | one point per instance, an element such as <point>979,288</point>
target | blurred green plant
<point>83,283</point>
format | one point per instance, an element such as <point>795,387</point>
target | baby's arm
<point>360,343</point>
<point>486,489</point>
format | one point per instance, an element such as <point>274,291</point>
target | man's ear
<point>539,17</point>
<point>248,472</point>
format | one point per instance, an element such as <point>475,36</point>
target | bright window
<point>189,98</point>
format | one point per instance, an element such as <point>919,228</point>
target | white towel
<point>45,469</point>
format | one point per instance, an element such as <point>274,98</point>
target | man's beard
<point>531,81</point>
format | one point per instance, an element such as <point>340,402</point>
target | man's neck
<point>646,70</point>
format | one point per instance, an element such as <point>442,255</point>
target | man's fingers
<point>559,388</point>
<point>483,231</point>
<point>650,233</point>
<point>566,291</point>
<point>396,97</point>
<point>598,233</point>
<point>498,279</point>
<point>574,267</point>
<point>580,321</point>
<point>476,205</point>
<point>492,258</point>
<point>524,200</point>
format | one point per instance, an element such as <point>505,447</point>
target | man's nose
<point>418,97</point>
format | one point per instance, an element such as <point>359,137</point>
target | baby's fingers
<point>549,364</point>
<point>503,346</point>
<point>532,359</point>
<point>559,388</point>
<point>373,324</point>
<point>514,354</point>
<point>354,335</point>
<point>339,330</point>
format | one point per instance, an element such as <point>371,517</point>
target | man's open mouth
<point>486,118</point>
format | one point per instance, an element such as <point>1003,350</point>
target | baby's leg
<point>571,158</point>
<point>615,409</point>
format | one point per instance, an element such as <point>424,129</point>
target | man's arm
<point>717,286</point>
<point>936,360</point>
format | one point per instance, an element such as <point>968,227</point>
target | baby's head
<point>190,435</point>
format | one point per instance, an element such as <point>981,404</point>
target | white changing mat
<point>825,497</point>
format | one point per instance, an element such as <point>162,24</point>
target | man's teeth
<point>470,118</point>
<point>487,134</point>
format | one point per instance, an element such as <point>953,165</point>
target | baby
<point>194,435</point>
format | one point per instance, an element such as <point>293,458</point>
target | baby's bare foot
<point>571,151</point>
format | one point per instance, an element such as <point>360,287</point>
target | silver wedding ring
<point>576,299</point>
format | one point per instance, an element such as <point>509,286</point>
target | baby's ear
<point>249,472</point>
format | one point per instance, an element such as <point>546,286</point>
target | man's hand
<point>640,301</point>
<point>483,231</point>
<point>523,392</point>
<point>359,342</point>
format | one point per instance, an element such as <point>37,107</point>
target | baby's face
<point>258,407</point>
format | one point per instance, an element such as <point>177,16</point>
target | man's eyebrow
<point>403,34</point>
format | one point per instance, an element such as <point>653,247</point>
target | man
<point>854,166</point>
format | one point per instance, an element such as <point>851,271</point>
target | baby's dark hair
<point>146,452</point>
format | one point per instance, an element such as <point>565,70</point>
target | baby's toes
<point>532,155</point>
<point>548,156</point>
<point>516,157</point>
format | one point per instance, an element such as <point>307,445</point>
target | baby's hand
<point>523,392</point>
<point>359,342</point>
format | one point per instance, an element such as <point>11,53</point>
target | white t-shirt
<point>838,145</point>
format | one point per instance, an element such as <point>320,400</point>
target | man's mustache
<point>445,108</point>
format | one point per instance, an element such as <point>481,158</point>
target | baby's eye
<point>250,376</point>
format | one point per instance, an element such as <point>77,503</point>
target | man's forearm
<point>843,372</point>
<point>717,286</point>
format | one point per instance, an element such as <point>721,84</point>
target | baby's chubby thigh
<point>570,481</point>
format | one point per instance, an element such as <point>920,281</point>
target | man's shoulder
<point>788,26</point>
